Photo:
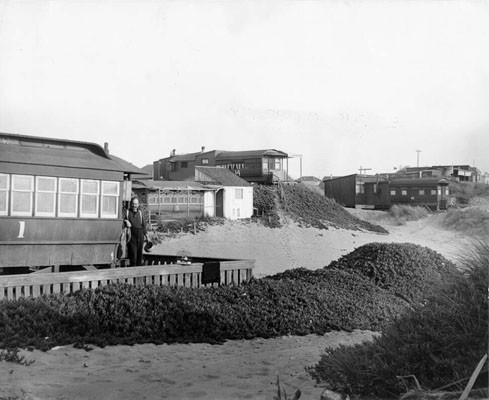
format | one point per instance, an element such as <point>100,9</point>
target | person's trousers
<point>135,247</point>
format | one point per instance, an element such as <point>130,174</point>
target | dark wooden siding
<point>342,190</point>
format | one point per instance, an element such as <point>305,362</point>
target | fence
<point>232,272</point>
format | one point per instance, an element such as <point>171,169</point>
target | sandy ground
<point>237,369</point>
<point>276,250</point>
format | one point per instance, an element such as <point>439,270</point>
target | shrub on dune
<point>440,342</point>
<point>408,270</point>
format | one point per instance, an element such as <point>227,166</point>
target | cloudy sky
<point>345,84</point>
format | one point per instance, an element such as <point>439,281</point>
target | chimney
<point>106,147</point>
<point>203,149</point>
<point>173,152</point>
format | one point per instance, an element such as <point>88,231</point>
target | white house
<point>233,196</point>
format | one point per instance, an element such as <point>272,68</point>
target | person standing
<point>135,221</point>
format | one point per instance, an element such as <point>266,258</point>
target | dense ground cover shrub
<point>313,209</point>
<point>403,213</point>
<point>265,203</point>
<point>126,314</point>
<point>471,221</point>
<point>440,342</point>
<point>405,269</point>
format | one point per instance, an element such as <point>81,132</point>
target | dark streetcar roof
<point>22,149</point>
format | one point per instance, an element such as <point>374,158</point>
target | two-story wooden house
<point>254,166</point>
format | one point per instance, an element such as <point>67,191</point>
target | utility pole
<point>417,158</point>
<point>363,169</point>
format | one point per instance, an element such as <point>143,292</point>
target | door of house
<point>220,203</point>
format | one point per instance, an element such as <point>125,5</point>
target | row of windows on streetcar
<point>402,192</point>
<point>45,196</point>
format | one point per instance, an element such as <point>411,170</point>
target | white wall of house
<point>210,204</point>
<point>238,202</point>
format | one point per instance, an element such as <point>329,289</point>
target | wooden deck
<point>232,272</point>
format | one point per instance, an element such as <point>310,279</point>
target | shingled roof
<point>221,176</point>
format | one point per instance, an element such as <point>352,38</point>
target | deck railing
<point>13,287</point>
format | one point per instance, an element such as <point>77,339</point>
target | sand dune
<point>238,369</point>
<point>275,250</point>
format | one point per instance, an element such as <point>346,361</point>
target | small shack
<point>233,195</point>
<point>358,191</point>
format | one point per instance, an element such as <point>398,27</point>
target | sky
<point>337,84</point>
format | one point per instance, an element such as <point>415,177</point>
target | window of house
<point>359,188</point>
<point>110,199</point>
<point>278,164</point>
<point>205,161</point>
<point>404,192</point>
<point>393,192</point>
<point>89,198</point>
<point>151,200</point>
<point>45,196</point>
<point>433,192</point>
<point>22,192</point>
<point>68,197</point>
<point>238,193</point>
<point>4,188</point>
<point>184,164</point>
<point>421,192</point>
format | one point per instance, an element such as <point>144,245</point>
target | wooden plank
<point>10,293</point>
<point>173,278</point>
<point>18,292</point>
<point>195,279</point>
<point>46,288</point>
<point>2,293</point>
<point>56,287</point>
<point>36,291</point>
<point>230,278</point>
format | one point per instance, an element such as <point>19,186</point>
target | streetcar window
<point>110,199</point>
<point>22,190</point>
<point>4,187</point>
<point>89,198</point>
<point>68,197</point>
<point>45,196</point>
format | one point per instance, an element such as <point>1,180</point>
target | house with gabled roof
<point>233,196</point>
<point>255,166</point>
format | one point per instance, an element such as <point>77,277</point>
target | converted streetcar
<point>60,204</point>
